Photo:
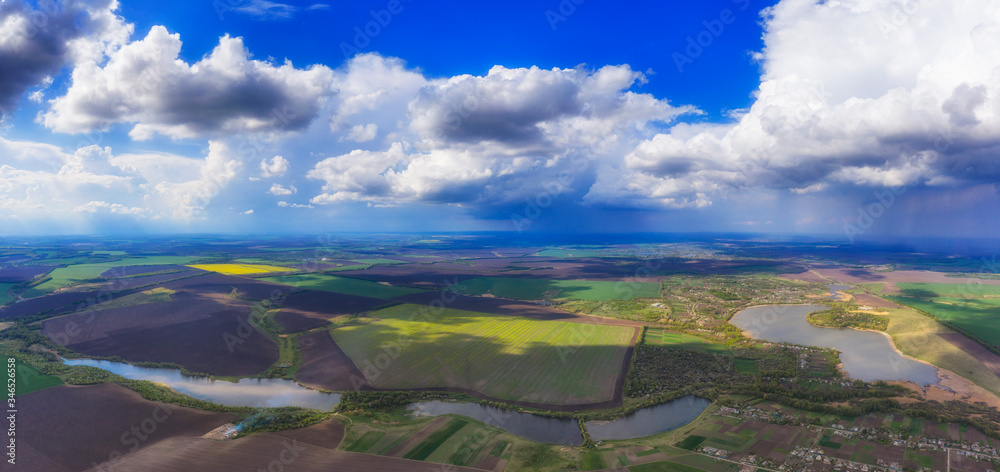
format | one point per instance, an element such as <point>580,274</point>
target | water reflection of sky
<point>536,428</point>
<point>865,355</point>
<point>649,421</point>
<point>247,392</point>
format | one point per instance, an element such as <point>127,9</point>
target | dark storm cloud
<point>34,43</point>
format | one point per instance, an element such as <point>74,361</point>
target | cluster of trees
<point>657,370</point>
<point>279,419</point>
<point>840,316</point>
<point>376,400</point>
<point>635,310</point>
<point>776,361</point>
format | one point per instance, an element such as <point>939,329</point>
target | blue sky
<point>854,118</point>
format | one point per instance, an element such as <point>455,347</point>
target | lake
<point>865,355</point>
<point>258,393</point>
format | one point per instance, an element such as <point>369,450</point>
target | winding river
<point>645,422</point>
<point>865,355</point>
<point>260,393</point>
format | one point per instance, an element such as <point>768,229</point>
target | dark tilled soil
<point>326,366</point>
<point>78,427</point>
<point>311,309</point>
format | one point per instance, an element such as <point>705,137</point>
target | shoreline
<point>892,343</point>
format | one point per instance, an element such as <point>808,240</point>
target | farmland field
<point>535,289</point>
<point>4,297</point>
<point>927,290</point>
<point>102,416</point>
<point>977,316</point>
<point>242,269</point>
<point>29,379</point>
<point>64,276</point>
<point>457,441</point>
<point>509,358</point>
<point>348,285</point>
<point>190,329</point>
<point>309,309</point>
<point>665,338</point>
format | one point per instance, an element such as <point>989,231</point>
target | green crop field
<point>876,287</point>
<point>536,289</point>
<point>348,285</point>
<point>344,268</point>
<point>665,338</point>
<point>505,357</point>
<point>977,316</point>
<point>4,288</point>
<point>926,290</point>
<point>29,379</point>
<point>65,276</point>
<point>366,442</point>
<point>435,440</point>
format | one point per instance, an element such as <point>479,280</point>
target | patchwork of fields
<point>64,276</point>
<point>970,307</point>
<point>242,269</point>
<point>536,289</point>
<point>509,358</point>
<point>977,316</point>
<point>347,285</point>
<point>445,440</point>
<point>925,290</point>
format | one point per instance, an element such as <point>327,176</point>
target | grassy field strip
<point>460,450</point>
<point>924,290</point>
<point>975,316</point>
<point>242,269</point>
<point>916,335</point>
<point>666,338</point>
<point>505,357</point>
<point>348,285</point>
<point>436,439</point>
<point>30,379</point>
<point>4,287</point>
